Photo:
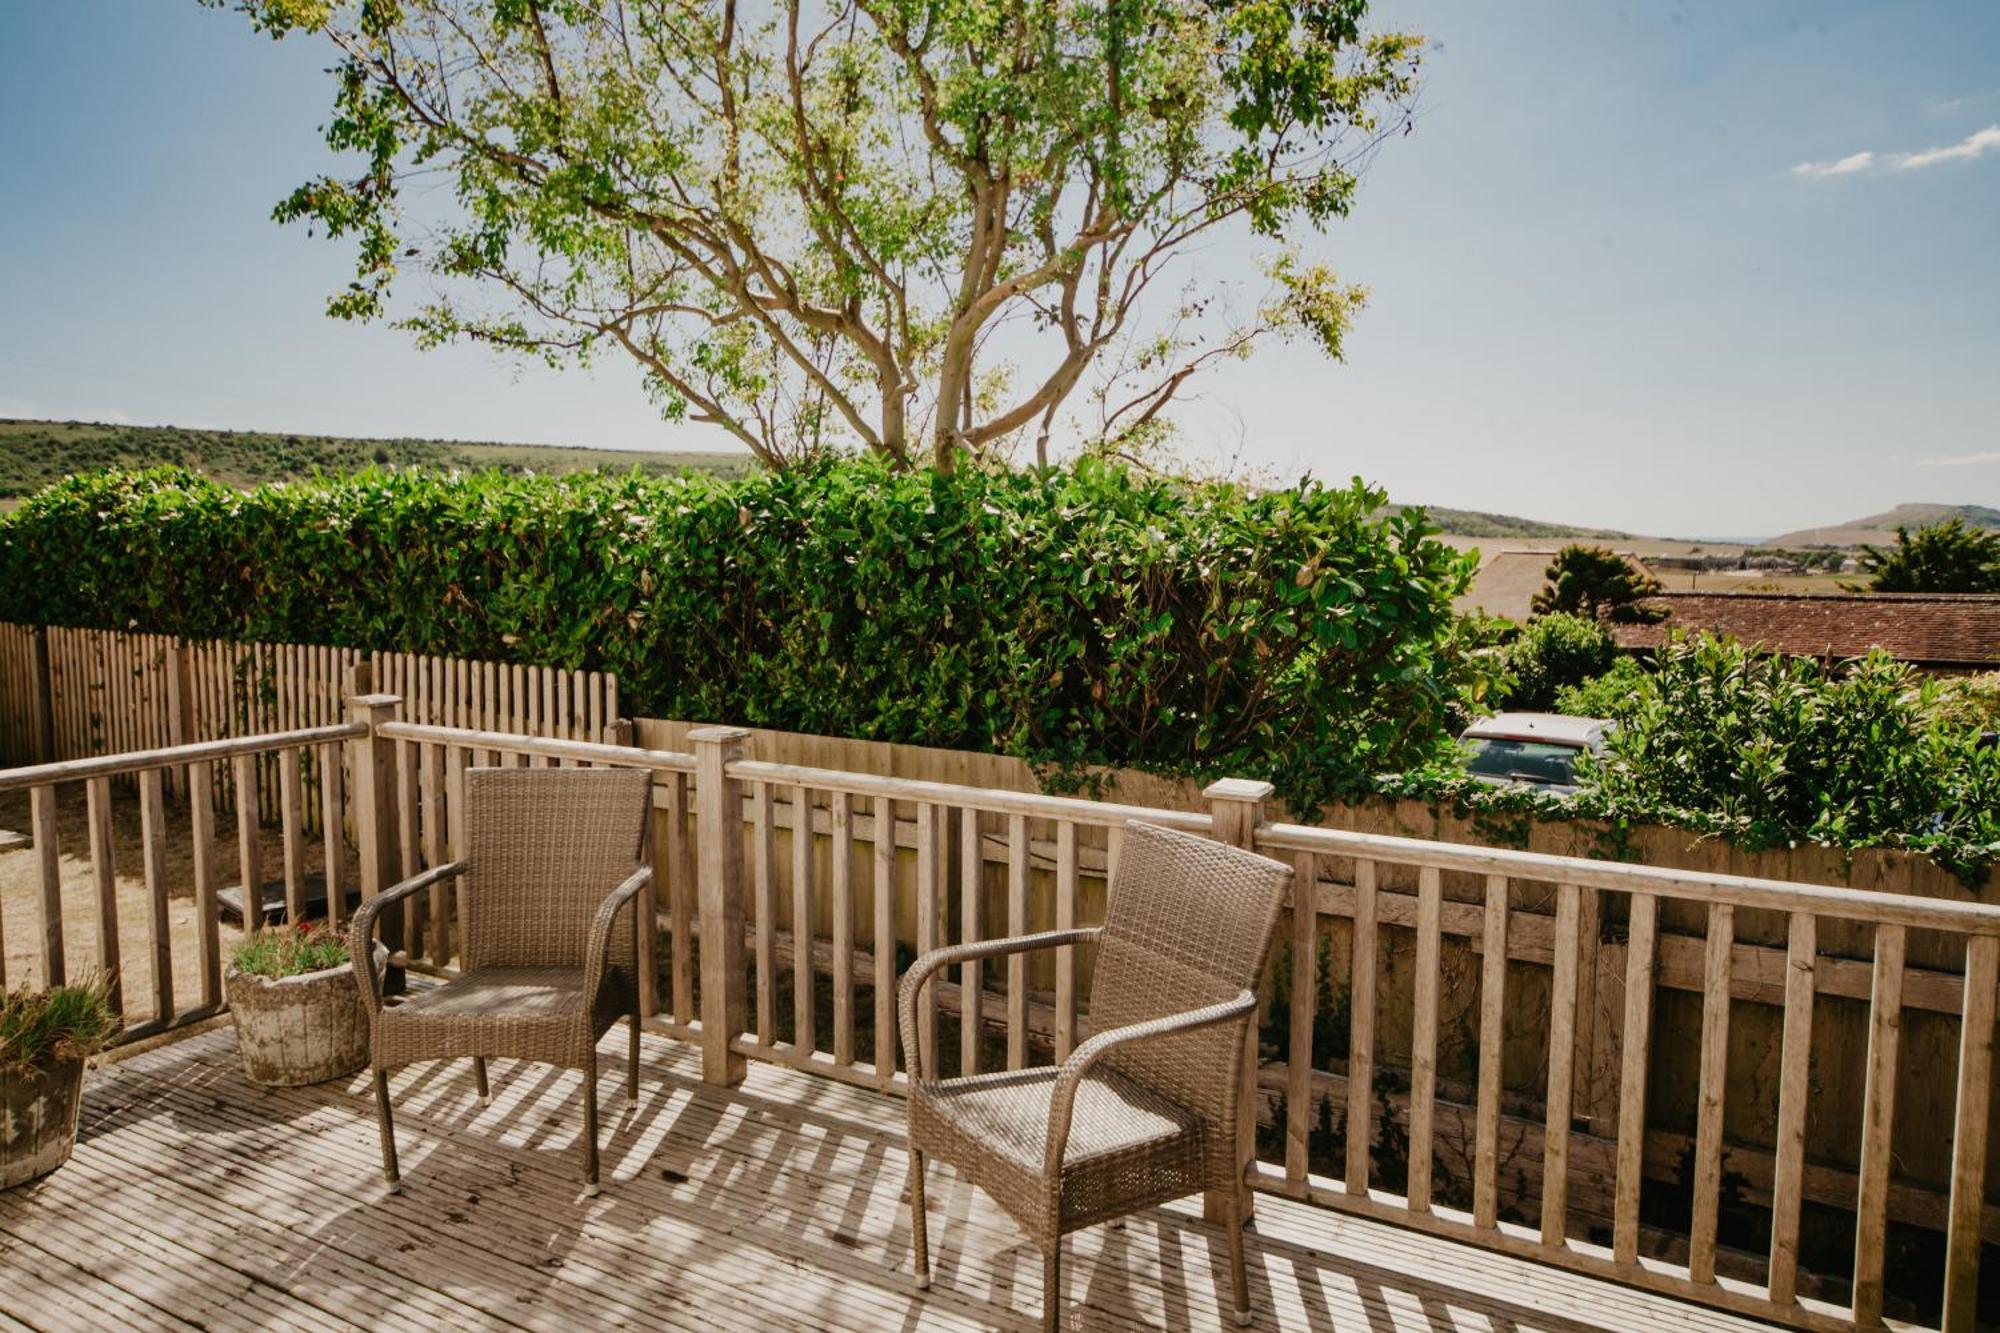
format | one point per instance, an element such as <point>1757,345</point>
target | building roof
<point>1507,582</point>
<point>1929,629</point>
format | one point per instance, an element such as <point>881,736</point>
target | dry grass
<point>20,894</point>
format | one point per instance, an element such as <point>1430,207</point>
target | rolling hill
<point>35,453</point>
<point>1880,529</point>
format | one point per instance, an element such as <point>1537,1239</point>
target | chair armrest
<point>1069,1076</point>
<point>921,970</point>
<point>597,954</point>
<point>361,931</point>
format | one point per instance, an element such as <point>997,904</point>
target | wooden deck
<point>198,1200</point>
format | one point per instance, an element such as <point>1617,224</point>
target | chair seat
<point>529,1013</point>
<point>1125,1140</point>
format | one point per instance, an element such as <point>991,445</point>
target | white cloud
<point>1971,146</point>
<point>1853,162</point>
<point>1961,460</point>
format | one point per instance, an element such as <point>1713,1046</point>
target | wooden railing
<point>197,943</point>
<point>789,897</point>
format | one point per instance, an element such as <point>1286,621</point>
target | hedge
<point>1075,617</point>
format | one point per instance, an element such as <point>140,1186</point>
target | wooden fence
<point>76,693</point>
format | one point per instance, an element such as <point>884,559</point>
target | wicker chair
<point>546,968</point>
<point>1146,1109</point>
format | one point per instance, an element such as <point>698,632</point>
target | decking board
<point>196,1199</point>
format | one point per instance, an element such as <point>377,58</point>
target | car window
<point>1523,761</point>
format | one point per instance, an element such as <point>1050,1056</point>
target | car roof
<point>1552,728</point>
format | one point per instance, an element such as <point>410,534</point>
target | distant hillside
<point>1472,523</point>
<point>1880,529</point>
<point>35,453</point>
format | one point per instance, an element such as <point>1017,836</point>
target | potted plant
<point>45,1036</point>
<point>297,1006</point>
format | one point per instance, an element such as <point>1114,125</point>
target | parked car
<point>1534,750</point>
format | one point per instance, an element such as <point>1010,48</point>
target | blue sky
<point>1630,270</point>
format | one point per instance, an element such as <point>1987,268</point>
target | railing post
<point>372,760</point>
<point>719,834</point>
<point>1235,809</point>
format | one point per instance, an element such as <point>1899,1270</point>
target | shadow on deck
<point>196,1199</point>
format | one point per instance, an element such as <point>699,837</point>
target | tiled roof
<point>1930,629</point>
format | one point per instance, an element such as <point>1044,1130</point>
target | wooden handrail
<point>140,761</point>
<point>1104,814</point>
<point>629,756</point>
<point>1704,886</point>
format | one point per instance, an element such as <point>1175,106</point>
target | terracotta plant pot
<point>38,1120</point>
<point>298,1030</point>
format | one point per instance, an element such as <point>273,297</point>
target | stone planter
<point>38,1120</point>
<point>303,1029</point>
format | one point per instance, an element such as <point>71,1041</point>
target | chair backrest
<point>1188,923</point>
<point>543,846</point>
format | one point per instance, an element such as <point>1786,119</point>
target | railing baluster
<point>153,856</point>
<point>48,872</point>
<point>332,843</point>
<point>1641,937</point>
<point>1716,979</point>
<point>207,920</point>
<point>1562,1054</point>
<point>764,879</point>
<point>841,814</point>
<point>1492,1053</point>
<point>97,793</point>
<point>805,1016</point>
<point>1066,890</point>
<point>678,910</point>
<point>885,941</point>
<point>1968,1145</point>
<point>291,809</point>
<point>438,939</point>
<point>972,916</point>
<point>1305,1003</point>
<point>1871,1214</point>
<point>1361,1031</point>
<point>1794,1087</point>
<point>428,792</point>
<point>1423,1037</point>
<point>930,864</point>
<point>1017,924</point>
<point>249,843</point>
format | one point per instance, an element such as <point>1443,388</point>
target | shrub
<point>39,1027</point>
<point>1782,748</point>
<point>1551,653</point>
<point>289,951</point>
<point>1092,615</point>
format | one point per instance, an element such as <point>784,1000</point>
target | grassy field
<point>35,453</point>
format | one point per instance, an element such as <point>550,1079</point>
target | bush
<point>39,1027</point>
<point>289,951</point>
<point>1552,653</point>
<point>1783,748</point>
<point>1766,751</point>
<point>1076,617</point>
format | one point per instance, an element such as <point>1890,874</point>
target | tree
<point>1602,585</point>
<point>1944,557</point>
<point>909,225</point>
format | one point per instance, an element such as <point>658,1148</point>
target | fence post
<point>180,709</point>
<point>373,761</point>
<point>719,835</point>
<point>45,700</point>
<point>1235,809</point>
